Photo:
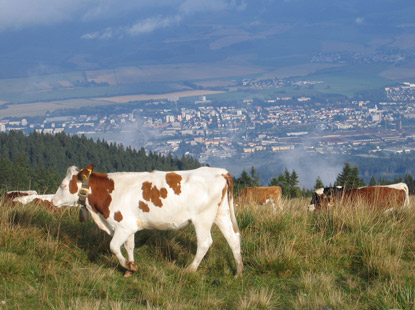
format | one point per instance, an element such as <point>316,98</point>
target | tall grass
<point>350,257</point>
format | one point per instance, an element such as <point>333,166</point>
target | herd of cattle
<point>123,203</point>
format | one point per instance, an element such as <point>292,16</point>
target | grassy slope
<point>355,259</point>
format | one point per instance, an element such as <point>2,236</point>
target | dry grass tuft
<point>258,299</point>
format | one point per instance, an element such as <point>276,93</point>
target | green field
<point>347,258</point>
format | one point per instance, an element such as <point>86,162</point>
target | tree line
<point>39,161</point>
<point>349,177</point>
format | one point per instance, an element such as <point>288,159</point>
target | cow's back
<point>376,196</point>
<point>167,200</point>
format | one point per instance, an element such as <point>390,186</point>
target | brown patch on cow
<point>225,188</point>
<point>44,203</point>
<point>229,189</point>
<point>143,206</point>
<point>14,194</point>
<point>153,194</point>
<point>174,179</point>
<point>73,185</point>
<point>146,189</point>
<point>229,180</point>
<point>100,198</point>
<point>118,216</point>
<point>163,192</point>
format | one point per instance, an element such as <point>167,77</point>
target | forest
<point>39,161</point>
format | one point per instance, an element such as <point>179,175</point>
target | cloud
<point>19,14</point>
<point>147,25</point>
<point>359,20</point>
<point>151,24</point>
<point>101,35</point>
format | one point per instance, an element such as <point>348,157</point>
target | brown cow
<point>376,196</point>
<point>262,195</point>
<point>383,196</point>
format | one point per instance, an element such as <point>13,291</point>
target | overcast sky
<point>21,14</point>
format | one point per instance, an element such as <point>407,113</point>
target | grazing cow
<point>123,203</point>
<point>382,196</point>
<point>324,197</point>
<point>262,195</point>
<point>29,198</point>
<point>43,200</point>
<point>14,194</point>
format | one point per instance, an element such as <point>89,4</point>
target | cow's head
<point>67,193</point>
<point>315,199</point>
<point>324,198</point>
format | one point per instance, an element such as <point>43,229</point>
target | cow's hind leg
<point>119,238</point>
<point>204,241</point>
<point>129,246</point>
<point>233,238</point>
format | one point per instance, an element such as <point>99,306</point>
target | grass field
<point>347,258</point>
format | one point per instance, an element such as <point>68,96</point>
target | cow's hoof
<point>128,274</point>
<point>132,267</point>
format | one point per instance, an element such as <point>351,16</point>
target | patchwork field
<point>33,96</point>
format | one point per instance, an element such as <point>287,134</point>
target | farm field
<point>42,107</point>
<point>346,258</point>
<point>35,95</point>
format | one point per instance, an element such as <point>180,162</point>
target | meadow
<point>345,258</point>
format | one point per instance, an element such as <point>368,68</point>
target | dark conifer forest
<point>39,161</point>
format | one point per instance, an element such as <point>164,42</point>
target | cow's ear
<point>89,168</point>
<point>85,173</point>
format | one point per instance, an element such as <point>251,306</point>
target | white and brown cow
<point>10,195</point>
<point>123,203</point>
<point>261,195</point>
<point>381,196</point>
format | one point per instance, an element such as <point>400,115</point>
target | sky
<point>133,17</point>
<point>150,15</point>
<point>49,33</point>
<point>47,36</point>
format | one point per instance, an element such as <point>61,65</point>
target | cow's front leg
<point>123,237</point>
<point>204,241</point>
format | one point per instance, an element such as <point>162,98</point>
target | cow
<point>381,196</point>
<point>35,197</point>
<point>122,203</point>
<point>324,197</point>
<point>262,195</point>
<point>10,195</point>
<point>42,200</point>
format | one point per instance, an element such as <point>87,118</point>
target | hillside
<point>343,259</point>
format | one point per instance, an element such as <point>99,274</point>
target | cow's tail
<point>229,192</point>
<point>406,204</point>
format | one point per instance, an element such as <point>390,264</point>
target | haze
<point>47,36</point>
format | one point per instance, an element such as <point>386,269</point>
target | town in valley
<point>206,128</point>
